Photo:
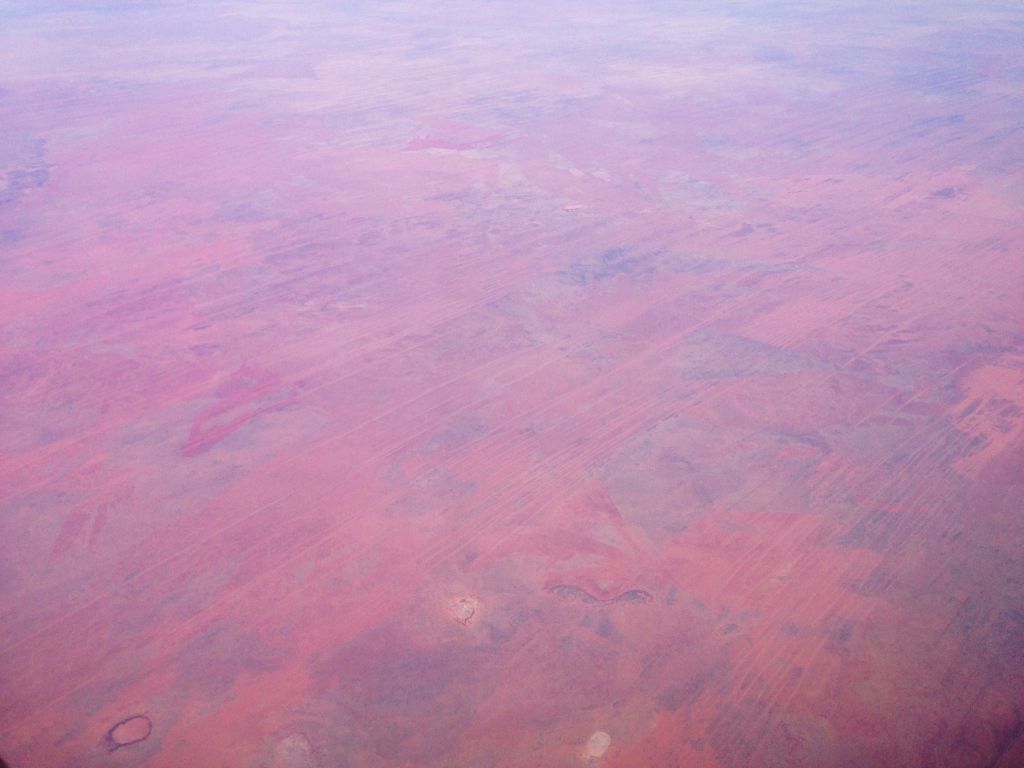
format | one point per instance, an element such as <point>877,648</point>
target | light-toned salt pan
<point>598,744</point>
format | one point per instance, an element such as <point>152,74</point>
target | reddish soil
<point>510,384</point>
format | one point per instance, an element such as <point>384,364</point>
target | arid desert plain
<point>502,384</point>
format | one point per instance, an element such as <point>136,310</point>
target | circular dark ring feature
<point>131,730</point>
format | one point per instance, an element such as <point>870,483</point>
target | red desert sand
<point>391,384</point>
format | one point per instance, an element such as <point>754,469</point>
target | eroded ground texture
<point>489,384</point>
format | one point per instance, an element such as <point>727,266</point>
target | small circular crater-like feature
<point>293,751</point>
<point>462,610</point>
<point>129,731</point>
<point>597,745</point>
